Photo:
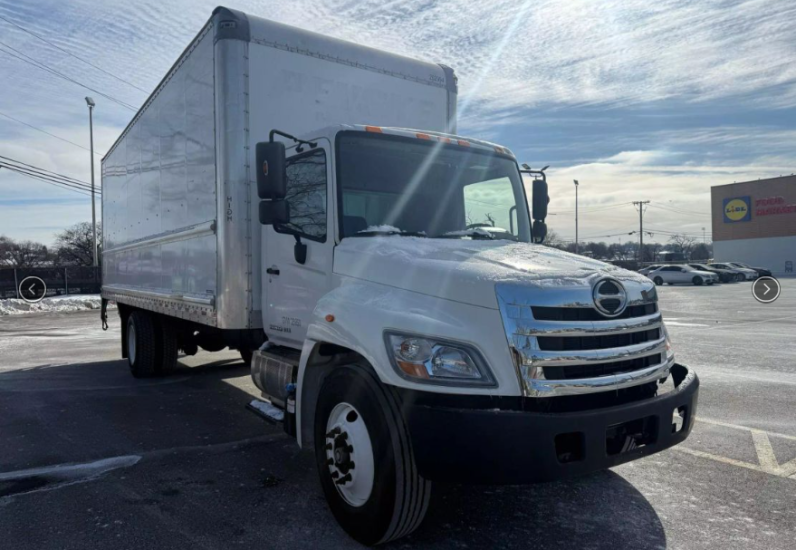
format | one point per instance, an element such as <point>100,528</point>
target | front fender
<point>363,310</point>
<point>354,316</point>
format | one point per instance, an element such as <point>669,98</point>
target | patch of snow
<point>381,229</point>
<point>81,302</point>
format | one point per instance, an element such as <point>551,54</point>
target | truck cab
<point>402,263</point>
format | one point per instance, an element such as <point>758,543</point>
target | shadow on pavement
<point>212,474</point>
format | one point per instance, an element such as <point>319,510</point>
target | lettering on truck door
<point>293,288</point>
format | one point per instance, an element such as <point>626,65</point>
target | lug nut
<point>335,475</point>
<point>345,479</point>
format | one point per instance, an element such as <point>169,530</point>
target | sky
<point>637,100</point>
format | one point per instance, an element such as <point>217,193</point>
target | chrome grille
<point>564,346</point>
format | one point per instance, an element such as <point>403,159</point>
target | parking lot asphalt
<point>180,463</point>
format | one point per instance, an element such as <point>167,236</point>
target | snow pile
<point>83,302</point>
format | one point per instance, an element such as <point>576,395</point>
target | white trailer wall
<point>180,221</point>
<point>159,189</point>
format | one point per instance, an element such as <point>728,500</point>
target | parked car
<point>748,274</point>
<point>682,274</point>
<point>725,275</point>
<point>761,271</point>
<point>646,270</point>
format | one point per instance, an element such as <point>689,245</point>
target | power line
<point>48,172</point>
<point>597,209</point>
<point>39,65</point>
<point>686,212</point>
<point>51,181</point>
<point>47,176</point>
<point>46,132</point>
<point>56,46</point>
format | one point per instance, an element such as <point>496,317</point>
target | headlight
<point>669,349</point>
<point>437,361</point>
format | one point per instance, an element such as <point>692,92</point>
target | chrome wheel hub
<point>349,454</point>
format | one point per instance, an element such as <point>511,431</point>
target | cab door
<point>292,288</point>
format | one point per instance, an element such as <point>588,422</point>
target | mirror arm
<point>273,132</point>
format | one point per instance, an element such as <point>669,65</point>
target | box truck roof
<point>228,24</point>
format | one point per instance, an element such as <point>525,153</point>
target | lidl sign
<point>738,209</point>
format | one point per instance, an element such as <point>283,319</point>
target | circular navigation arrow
<point>766,289</point>
<point>32,289</point>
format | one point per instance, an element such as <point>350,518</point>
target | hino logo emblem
<point>610,297</point>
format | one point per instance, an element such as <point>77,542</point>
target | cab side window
<point>306,195</point>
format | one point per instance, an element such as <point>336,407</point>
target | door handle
<point>272,271</point>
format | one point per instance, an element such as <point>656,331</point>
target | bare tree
<point>5,250</point>
<point>75,245</point>
<point>22,253</point>
<point>682,244</point>
<point>553,240</point>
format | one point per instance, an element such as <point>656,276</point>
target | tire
<point>353,402</point>
<point>697,281</point>
<point>658,281</point>
<point>142,352</point>
<point>246,355</point>
<point>168,347</point>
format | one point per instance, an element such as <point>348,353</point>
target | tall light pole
<point>577,244</point>
<point>90,103</point>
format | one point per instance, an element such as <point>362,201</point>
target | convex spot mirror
<point>271,174</point>
<point>539,231</point>
<point>275,212</point>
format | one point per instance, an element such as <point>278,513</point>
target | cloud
<point>637,99</point>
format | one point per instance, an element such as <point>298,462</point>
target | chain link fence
<point>60,280</point>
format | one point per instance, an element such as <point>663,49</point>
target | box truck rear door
<point>292,288</point>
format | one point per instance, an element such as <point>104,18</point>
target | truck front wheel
<point>142,352</point>
<point>364,457</point>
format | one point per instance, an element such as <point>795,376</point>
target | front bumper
<point>470,445</point>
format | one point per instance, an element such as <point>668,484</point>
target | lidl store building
<point>754,222</point>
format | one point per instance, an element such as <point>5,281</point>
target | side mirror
<point>274,212</point>
<point>539,231</point>
<point>271,175</point>
<point>539,200</point>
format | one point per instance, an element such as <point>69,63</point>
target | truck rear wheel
<point>364,457</point>
<point>168,347</point>
<point>142,353</point>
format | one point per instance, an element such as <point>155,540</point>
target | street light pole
<point>90,103</point>
<point>577,244</point>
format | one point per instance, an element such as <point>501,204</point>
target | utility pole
<point>640,205</point>
<point>90,103</point>
<point>577,247</point>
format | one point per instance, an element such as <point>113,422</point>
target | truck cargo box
<point>179,201</point>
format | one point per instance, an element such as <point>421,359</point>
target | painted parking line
<point>766,459</point>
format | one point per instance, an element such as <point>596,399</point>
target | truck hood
<point>466,270</point>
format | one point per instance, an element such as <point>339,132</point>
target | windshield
<point>405,186</point>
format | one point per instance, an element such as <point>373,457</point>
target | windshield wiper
<point>382,232</point>
<point>474,234</point>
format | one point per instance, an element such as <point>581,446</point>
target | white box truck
<point>306,201</point>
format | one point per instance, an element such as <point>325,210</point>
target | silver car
<point>682,274</point>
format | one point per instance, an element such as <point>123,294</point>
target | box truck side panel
<point>159,196</point>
